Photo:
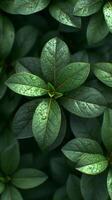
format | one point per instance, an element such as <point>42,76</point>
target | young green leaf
<point>107,129</point>
<point>72,76</point>
<point>11,193</point>
<point>97,29</point>
<point>85,102</point>
<point>27,84</point>
<point>103,71</point>
<point>74,149</point>
<point>92,164</point>
<point>55,55</point>
<point>46,122</point>
<point>24,7</point>
<point>22,123</point>
<point>28,178</point>
<point>99,191</point>
<point>7,35</point>
<point>10,157</point>
<point>63,12</point>
<point>73,187</point>
<point>109,183</point>
<point>87,7</point>
<point>107,10</point>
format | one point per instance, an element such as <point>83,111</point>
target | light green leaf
<point>2,187</point>
<point>109,183</point>
<point>46,123</point>
<point>85,102</point>
<point>27,84</point>
<point>63,12</point>
<point>22,123</point>
<point>94,187</point>
<point>72,76</point>
<point>107,129</point>
<point>10,157</point>
<point>73,187</point>
<point>103,71</point>
<point>97,29</point>
<point>55,55</point>
<point>7,35</point>
<point>87,7</point>
<point>92,164</point>
<point>28,178</point>
<point>24,7</point>
<point>11,193</point>
<point>74,149</point>
<point>107,10</point>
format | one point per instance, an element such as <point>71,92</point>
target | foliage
<point>55,100</point>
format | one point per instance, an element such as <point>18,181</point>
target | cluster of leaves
<point>55,100</point>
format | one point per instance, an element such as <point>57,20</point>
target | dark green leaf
<point>46,122</point>
<point>2,187</point>
<point>7,35</point>
<point>85,102</point>
<point>11,193</point>
<point>94,187</point>
<point>73,188</point>
<point>97,29</point>
<point>22,123</point>
<point>72,76</point>
<point>27,84</point>
<point>107,129</point>
<point>61,194</point>
<point>28,178</point>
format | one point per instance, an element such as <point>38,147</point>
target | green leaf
<point>55,55</point>
<point>25,7</point>
<point>97,29</point>
<point>60,194</point>
<point>94,187</point>
<point>59,169</point>
<point>11,193</point>
<point>7,35</point>
<point>24,41</point>
<point>28,178</point>
<point>27,84</point>
<point>87,7</point>
<point>46,122</point>
<point>85,127</point>
<point>103,71</point>
<point>109,183</point>
<point>72,76</point>
<point>107,129</point>
<point>76,148</point>
<point>92,164</point>
<point>73,187</point>
<point>63,12</point>
<point>22,123</point>
<point>2,187</point>
<point>10,157</point>
<point>107,10</point>
<point>85,102</point>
